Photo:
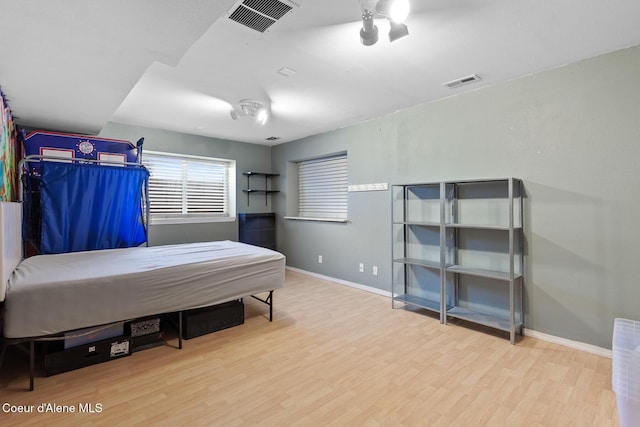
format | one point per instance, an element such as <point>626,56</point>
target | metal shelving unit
<point>473,246</point>
<point>417,254</point>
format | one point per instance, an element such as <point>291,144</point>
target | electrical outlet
<point>375,270</point>
<point>361,268</point>
<point>319,259</point>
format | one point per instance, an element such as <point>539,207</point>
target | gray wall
<point>571,134</point>
<point>248,157</point>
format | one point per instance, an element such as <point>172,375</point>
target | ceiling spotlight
<point>369,32</point>
<point>397,31</point>
<point>262,116</point>
<point>251,108</point>
<point>396,11</point>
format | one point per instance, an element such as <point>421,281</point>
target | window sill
<point>299,218</point>
<point>167,221</point>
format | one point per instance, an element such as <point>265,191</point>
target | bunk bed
<point>64,288</point>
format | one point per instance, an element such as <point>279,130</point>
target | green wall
<point>248,157</point>
<point>571,134</point>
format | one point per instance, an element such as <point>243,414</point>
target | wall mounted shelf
<point>266,190</point>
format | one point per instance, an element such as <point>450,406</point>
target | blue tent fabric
<point>89,207</point>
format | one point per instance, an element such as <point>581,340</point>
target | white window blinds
<point>188,188</point>
<point>322,187</point>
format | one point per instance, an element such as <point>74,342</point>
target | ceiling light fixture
<point>396,11</point>
<point>369,31</point>
<point>251,108</point>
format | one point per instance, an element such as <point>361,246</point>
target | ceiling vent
<point>462,81</point>
<point>259,15</point>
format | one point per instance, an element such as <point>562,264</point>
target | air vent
<point>259,15</point>
<point>462,81</point>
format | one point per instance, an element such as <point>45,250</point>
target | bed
<point>49,294</point>
<point>46,295</point>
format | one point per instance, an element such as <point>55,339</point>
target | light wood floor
<point>333,356</point>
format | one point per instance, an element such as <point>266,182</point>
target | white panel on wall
<point>379,186</point>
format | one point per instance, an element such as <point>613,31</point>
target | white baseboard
<point>342,282</point>
<point>577,345</point>
<point>589,348</point>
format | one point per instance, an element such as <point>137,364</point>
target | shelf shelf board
<point>259,174</point>
<point>491,274</point>
<point>420,262</point>
<point>482,226</point>
<point>419,302</point>
<point>481,318</point>
<point>484,181</point>
<point>249,190</point>
<point>419,223</point>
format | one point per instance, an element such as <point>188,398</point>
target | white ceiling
<point>75,65</point>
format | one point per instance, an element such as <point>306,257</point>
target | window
<point>190,189</point>
<point>322,188</point>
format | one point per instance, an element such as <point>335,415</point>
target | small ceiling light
<point>252,108</point>
<point>262,116</point>
<point>396,11</point>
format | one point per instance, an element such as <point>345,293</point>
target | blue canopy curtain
<point>89,207</point>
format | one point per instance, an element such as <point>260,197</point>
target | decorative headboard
<point>10,242</point>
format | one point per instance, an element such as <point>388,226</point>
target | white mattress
<point>49,294</point>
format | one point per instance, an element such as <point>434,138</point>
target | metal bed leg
<point>269,301</point>
<point>180,330</point>
<point>32,363</point>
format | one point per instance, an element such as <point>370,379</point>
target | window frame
<point>194,218</point>
<point>298,183</point>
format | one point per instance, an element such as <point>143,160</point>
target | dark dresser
<point>258,229</point>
